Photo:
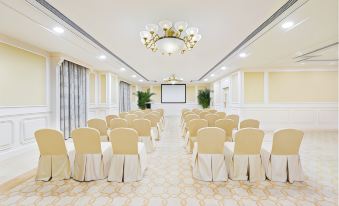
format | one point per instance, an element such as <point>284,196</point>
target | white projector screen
<point>173,93</point>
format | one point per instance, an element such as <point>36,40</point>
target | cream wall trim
<point>7,133</point>
<point>30,125</point>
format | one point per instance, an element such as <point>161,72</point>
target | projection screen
<point>173,93</point>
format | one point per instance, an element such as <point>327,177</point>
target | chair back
<point>286,142</point>
<point>140,114</point>
<point>50,142</point>
<point>196,111</point>
<point>195,124</point>
<point>153,119</point>
<point>118,123</point>
<point>130,118</point>
<point>98,124</point>
<point>86,141</point>
<point>124,141</point>
<point>142,126</point>
<point>249,123</point>
<point>190,117</point>
<point>248,141</point>
<point>235,118</point>
<point>211,118</point>
<point>123,114</point>
<point>212,111</point>
<point>221,115</point>
<point>227,125</point>
<point>203,114</point>
<point>211,140</point>
<point>146,111</point>
<point>161,111</point>
<point>108,119</point>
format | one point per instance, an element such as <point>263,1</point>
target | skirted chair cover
<point>243,157</point>
<point>91,159</point>
<point>140,114</point>
<point>143,127</point>
<point>128,162</point>
<point>123,114</point>
<point>193,126</point>
<point>183,118</point>
<point>203,114</point>
<point>227,125</point>
<point>118,123</point>
<point>281,159</point>
<point>130,118</point>
<point>212,111</point>
<point>208,160</point>
<point>196,111</point>
<point>249,123</point>
<point>162,119</point>
<point>187,118</point>
<point>109,118</point>
<point>159,121</point>
<point>155,130</point>
<point>235,118</point>
<point>211,118</point>
<point>221,115</point>
<point>101,126</point>
<point>54,162</point>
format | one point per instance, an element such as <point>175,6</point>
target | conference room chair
<point>159,122</point>
<point>235,118</point>
<point>183,118</point>
<point>54,161</point>
<point>140,114</point>
<point>155,130</point>
<point>128,162</point>
<point>162,112</point>
<point>221,115</point>
<point>212,111</point>
<point>211,118</point>
<point>146,111</point>
<point>196,111</point>
<point>130,118</point>
<point>108,119</point>
<point>243,156</point>
<point>281,158</point>
<point>193,126</point>
<point>123,114</point>
<point>208,159</point>
<point>118,123</point>
<point>90,161</point>
<point>143,127</point>
<point>203,114</point>
<point>186,120</point>
<point>227,125</point>
<point>101,126</point>
<point>249,123</point>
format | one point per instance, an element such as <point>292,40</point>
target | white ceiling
<point>223,25</point>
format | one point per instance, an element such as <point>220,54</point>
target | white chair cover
<point>149,143</point>
<point>281,168</point>
<point>208,167</point>
<point>238,166</point>
<point>128,168</point>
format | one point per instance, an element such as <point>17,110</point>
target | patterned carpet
<point>168,181</point>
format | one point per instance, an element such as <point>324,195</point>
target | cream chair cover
<point>183,118</point>
<point>88,162</point>
<point>186,120</point>
<point>146,111</point>
<point>227,125</point>
<point>101,126</point>
<point>183,111</point>
<point>281,159</point>
<point>155,130</point>
<point>109,118</point>
<point>249,123</point>
<point>140,114</point>
<point>54,162</point>
<point>208,160</point>
<point>235,118</point>
<point>143,127</point>
<point>130,118</point>
<point>159,121</point>
<point>211,118</point>
<point>221,115</point>
<point>243,157</point>
<point>212,111</point>
<point>123,114</point>
<point>162,119</point>
<point>128,162</point>
<point>193,126</point>
<point>203,114</point>
<point>118,123</point>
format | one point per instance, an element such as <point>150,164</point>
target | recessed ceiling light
<point>122,69</point>
<point>212,75</point>
<point>140,80</point>
<point>134,75</point>
<point>181,79</point>
<point>287,25</point>
<point>223,68</point>
<point>205,80</point>
<point>58,30</point>
<point>102,57</point>
<point>243,55</point>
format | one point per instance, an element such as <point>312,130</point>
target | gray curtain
<point>73,97</point>
<point>124,97</point>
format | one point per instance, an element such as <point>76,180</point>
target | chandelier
<point>171,39</point>
<point>172,79</point>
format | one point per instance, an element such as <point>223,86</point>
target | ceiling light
<point>171,39</point>
<point>212,75</point>
<point>287,25</point>
<point>122,69</point>
<point>205,80</point>
<point>140,80</point>
<point>172,79</point>
<point>223,68</point>
<point>134,76</point>
<point>58,30</point>
<point>102,57</point>
<point>243,55</point>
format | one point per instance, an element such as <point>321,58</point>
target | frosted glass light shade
<point>165,24</point>
<point>180,26</point>
<point>170,45</point>
<point>192,31</point>
<point>197,37</point>
<point>152,28</point>
<point>145,34</point>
